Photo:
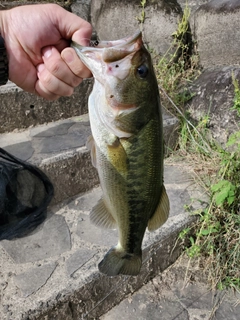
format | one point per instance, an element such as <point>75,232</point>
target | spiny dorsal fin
<point>162,212</point>
<point>100,216</point>
<point>90,144</point>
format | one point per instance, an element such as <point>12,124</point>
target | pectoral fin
<point>90,144</point>
<point>162,212</point>
<point>100,216</point>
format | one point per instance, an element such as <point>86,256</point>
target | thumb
<point>73,27</point>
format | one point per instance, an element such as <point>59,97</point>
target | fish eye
<point>142,71</point>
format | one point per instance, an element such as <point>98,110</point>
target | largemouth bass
<point>126,147</point>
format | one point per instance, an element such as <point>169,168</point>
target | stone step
<point>179,293</point>
<point>52,273</point>
<point>20,109</point>
<point>59,149</point>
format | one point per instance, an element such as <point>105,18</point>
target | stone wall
<point>214,25</point>
<point>215,29</point>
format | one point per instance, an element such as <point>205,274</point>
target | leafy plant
<point>214,240</point>
<point>236,100</point>
<point>141,17</point>
<point>178,66</point>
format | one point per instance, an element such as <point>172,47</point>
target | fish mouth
<point>99,45</point>
<point>96,57</point>
<point>115,43</point>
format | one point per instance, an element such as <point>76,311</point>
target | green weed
<point>215,238</point>
<point>236,100</point>
<point>141,17</point>
<point>214,241</point>
<point>178,66</point>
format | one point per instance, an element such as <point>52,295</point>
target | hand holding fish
<point>37,40</point>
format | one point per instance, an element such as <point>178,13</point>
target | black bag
<point>25,192</point>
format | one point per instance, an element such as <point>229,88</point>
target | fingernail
<point>47,52</point>
<point>68,56</point>
<point>40,67</point>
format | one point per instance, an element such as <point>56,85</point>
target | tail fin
<point>119,262</point>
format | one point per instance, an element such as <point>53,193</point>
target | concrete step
<point>52,274</point>
<point>20,109</point>
<point>58,148</point>
<point>179,293</point>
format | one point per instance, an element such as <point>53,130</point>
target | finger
<point>75,64</point>
<point>50,87</point>
<point>73,27</point>
<point>44,94</point>
<point>56,66</point>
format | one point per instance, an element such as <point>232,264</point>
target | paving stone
<point>68,137</point>
<point>51,239</point>
<point>89,292</point>
<point>105,237</point>
<point>59,129</point>
<point>228,310</point>
<point>78,259</point>
<point>33,279</point>
<point>22,150</point>
<point>198,314</point>
<point>85,202</point>
<point>189,294</point>
<point>90,233</point>
<point>142,306</point>
<point>59,150</point>
<point>170,297</point>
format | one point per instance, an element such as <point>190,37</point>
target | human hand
<point>37,39</point>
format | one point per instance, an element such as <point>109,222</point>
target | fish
<point>127,147</point>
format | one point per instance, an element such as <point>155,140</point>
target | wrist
<point>3,62</point>
<point>3,55</point>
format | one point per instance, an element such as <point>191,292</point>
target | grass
<point>178,66</point>
<point>214,240</point>
<point>141,17</point>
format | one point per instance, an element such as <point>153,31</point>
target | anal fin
<point>100,216</point>
<point>162,212</point>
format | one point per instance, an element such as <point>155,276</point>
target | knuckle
<point>46,78</point>
<point>76,81</point>
<point>69,91</point>
<point>54,67</point>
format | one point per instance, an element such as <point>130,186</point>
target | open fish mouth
<point>96,57</point>
<point>115,43</point>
